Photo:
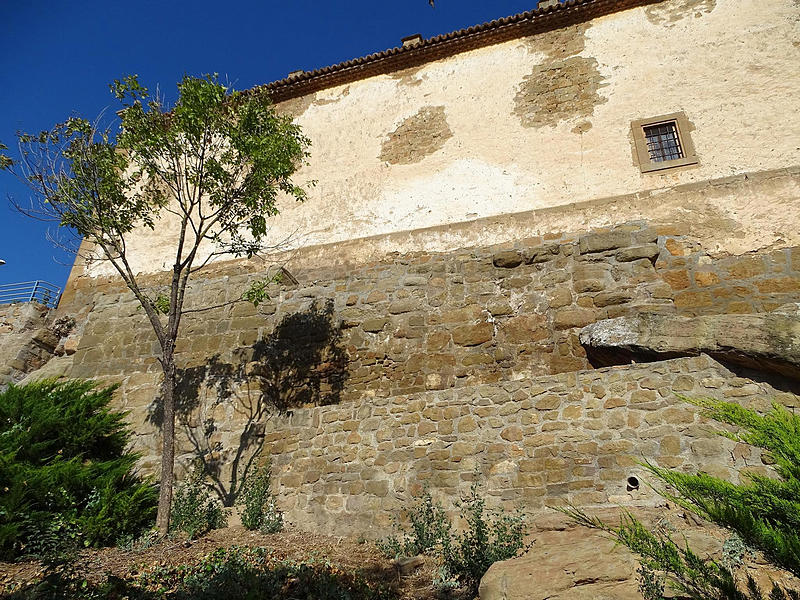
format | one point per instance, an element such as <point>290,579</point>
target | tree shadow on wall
<point>301,363</point>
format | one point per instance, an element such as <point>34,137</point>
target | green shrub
<point>489,536</point>
<point>430,529</point>
<point>66,477</point>
<point>194,510</point>
<point>259,508</point>
<point>763,513</point>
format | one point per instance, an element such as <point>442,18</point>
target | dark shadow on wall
<point>301,363</point>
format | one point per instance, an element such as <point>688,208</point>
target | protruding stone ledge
<point>763,341</point>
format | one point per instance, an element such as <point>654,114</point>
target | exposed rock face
<point>567,562</point>
<point>577,564</point>
<point>29,338</point>
<point>58,367</point>
<point>25,341</point>
<point>764,341</point>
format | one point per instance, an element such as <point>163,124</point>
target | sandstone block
<point>402,306</point>
<point>612,298</point>
<point>415,281</point>
<point>467,424</point>
<point>708,447</point>
<point>677,280</point>
<point>600,242</point>
<point>378,488</point>
<point>706,278</point>
<point>674,247</point>
<point>693,300</point>
<point>560,297</point>
<point>375,296</point>
<point>373,325</point>
<point>648,251</point>
<point>540,254</point>
<point>548,402</point>
<point>472,312</point>
<point>507,259</point>
<point>525,328</point>
<point>779,285</point>
<point>573,317</point>
<point>643,396</point>
<point>671,445</point>
<point>437,340</point>
<point>500,308</point>
<point>746,267</point>
<point>473,335</point>
<point>512,434</point>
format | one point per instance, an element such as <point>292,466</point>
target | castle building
<point>527,238</point>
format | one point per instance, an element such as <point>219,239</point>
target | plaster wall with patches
<point>543,123</point>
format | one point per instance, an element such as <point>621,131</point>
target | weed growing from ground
<point>259,508</point>
<point>194,511</point>
<point>430,528</point>
<point>489,536</point>
<point>132,543</point>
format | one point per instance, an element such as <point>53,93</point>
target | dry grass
<point>348,554</point>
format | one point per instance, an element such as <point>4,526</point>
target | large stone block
<point>601,242</point>
<point>763,341</point>
<point>474,334</point>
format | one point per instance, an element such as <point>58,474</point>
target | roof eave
<point>443,46</point>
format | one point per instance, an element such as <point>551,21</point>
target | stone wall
<point>377,333</point>
<point>573,437</point>
<point>440,320</point>
<point>754,282</point>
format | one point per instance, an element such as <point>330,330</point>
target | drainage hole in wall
<point>632,483</point>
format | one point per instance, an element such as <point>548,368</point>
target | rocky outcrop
<point>58,367</point>
<point>25,342</point>
<point>29,338</point>
<point>763,341</point>
<point>568,562</point>
<point>576,564</point>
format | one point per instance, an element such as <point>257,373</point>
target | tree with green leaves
<point>216,162</point>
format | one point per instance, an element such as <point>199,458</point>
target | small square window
<point>663,143</point>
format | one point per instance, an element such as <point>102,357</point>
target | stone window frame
<point>645,163</point>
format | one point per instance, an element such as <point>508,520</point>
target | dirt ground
<point>348,554</point>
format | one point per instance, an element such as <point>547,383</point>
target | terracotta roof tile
<point>448,44</point>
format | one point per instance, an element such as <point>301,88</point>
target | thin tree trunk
<point>168,445</point>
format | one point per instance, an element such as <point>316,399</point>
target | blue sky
<point>57,58</point>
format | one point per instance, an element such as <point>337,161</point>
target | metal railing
<point>30,291</point>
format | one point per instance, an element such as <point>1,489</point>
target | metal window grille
<point>663,142</point>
